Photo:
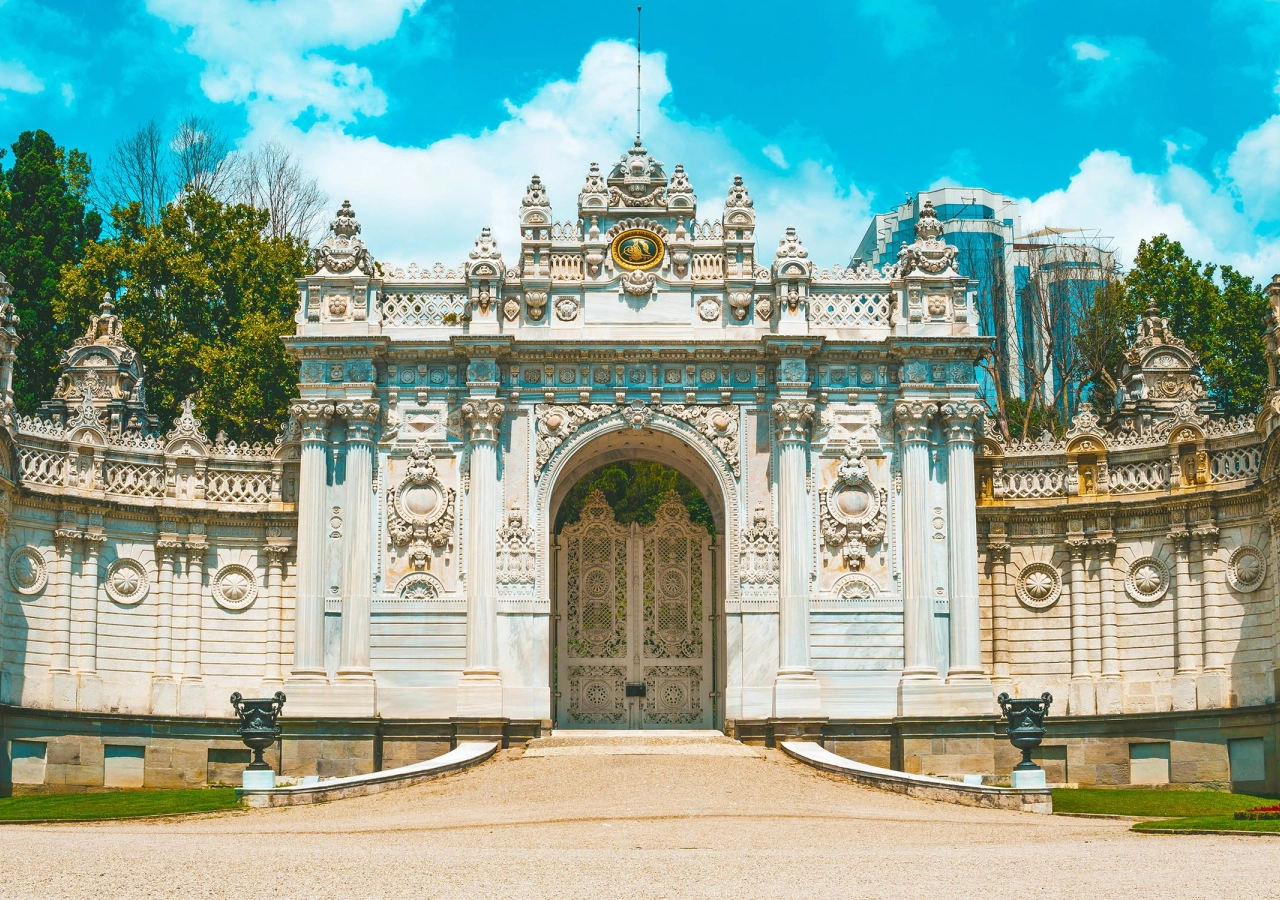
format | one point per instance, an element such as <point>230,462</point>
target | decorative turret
<point>680,194</point>
<point>929,254</point>
<point>1160,378</point>
<point>535,231</point>
<point>637,181</point>
<point>342,250</point>
<point>928,288</point>
<point>792,272</point>
<point>595,193</point>
<point>484,280</point>
<point>1269,417</point>
<point>102,380</point>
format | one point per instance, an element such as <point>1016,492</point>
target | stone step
<point>569,742</point>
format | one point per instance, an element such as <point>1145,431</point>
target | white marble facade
<point>392,553</point>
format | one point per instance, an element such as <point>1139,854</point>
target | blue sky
<point>1133,118</point>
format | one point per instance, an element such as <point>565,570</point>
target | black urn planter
<point>259,725</point>
<point>1025,728</point>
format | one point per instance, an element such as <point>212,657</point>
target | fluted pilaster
<point>308,646</point>
<point>913,418</point>
<point>481,690</point>
<point>961,423</point>
<point>362,417</point>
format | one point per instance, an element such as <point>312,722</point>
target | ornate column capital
<point>362,417</point>
<point>912,418</point>
<point>484,418</point>
<point>313,418</point>
<point>998,550</point>
<point>1076,547</point>
<point>792,419</point>
<point>961,418</point>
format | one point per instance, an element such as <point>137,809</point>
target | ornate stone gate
<point>635,638</point>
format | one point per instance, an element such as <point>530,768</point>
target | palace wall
<point>885,563</point>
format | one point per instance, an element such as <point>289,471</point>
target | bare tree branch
<point>271,178</point>
<point>137,171</point>
<point>202,158</point>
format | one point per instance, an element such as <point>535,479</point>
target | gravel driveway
<point>577,824</point>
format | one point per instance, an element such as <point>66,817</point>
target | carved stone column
<point>998,549</point>
<point>913,420</point>
<point>87,659</point>
<point>191,694</point>
<point>308,639</point>
<point>277,566</point>
<point>961,420</point>
<point>1186,636</point>
<point>1082,698</point>
<point>164,690</point>
<point>1110,691</point>
<point>1212,688</point>
<point>796,691</point>
<point>66,545</point>
<point>361,417</point>
<point>480,690</point>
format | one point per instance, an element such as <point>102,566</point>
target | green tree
<point>204,298</point>
<point>45,224</point>
<point>634,491</point>
<point>1218,311</point>
<point>1106,329</point>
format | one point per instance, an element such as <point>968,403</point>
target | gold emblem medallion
<point>637,248</point>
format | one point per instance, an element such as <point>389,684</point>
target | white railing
<point>1033,484</point>
<point>134,479</point>
<point>566,267</point>
<point>1137,477</point>
<point>707,267</point>
<point>422,309</point>
<point>1235,464</point>
<point>850,310</point>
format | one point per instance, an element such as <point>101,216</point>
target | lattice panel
<point>422,309</point>
<point>566,267</point>
<point>850,310</point>
<point>673,590</point>
<point>597,695</point>
<point>1034,483</point>
<point>707,266</point>
<point>1134,478</point>
<point>134,480</point>
<point>238,487</point>
<point>43,466</point>
<point>1234,464</point>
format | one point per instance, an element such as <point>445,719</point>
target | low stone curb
<point>1266,834</point>
<point>924,787</point>
<point>462,757</point>
<point>234,810</point>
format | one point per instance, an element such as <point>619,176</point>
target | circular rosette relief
<point>28,571</point>
<point>235,587</point>
<point>1038,586</point>
<point>127,582</point>
<point>1147,580</point>
<point>1246,569</point>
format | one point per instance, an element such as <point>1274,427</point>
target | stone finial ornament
<point>343,250</point>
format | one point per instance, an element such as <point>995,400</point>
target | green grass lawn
<point>1210,823</point>
<point>115,804</point>
<point>1210,810</point>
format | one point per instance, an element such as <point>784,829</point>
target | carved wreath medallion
<point>235,587</point>
<point>1246,569</point>
<point>1038,586</point>
<point>420,508</point>
<point>28,572</point>
<point>1147,580</point>
<point>854,510</point>
<point>127,582</point>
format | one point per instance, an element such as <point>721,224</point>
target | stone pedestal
<point>164,697</point>
<point>933,697</point>
<point>480,693</point>
<point>191,698</point>
<point>258,780</point>
<point>89,693</point>
<point>1110,694</point>
<point>1081,696</point>
<point>64,691</point>
<point>1184,691</point>
<point>1027,779</point>
<point>796,694</point>
<point>311,699</point>
<point>1213,690</point>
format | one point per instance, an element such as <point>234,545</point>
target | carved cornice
<point>912,418</point>
<point>791,419</point>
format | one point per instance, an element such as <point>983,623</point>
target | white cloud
<point>1099,68</point>
<point>429,202</point>
<point>265,55</point>
<point>775,155</point>
<point>68,93</point>
<point>1086,50</point>
<point>14,76</point>
<point>1254,168</point>
<point>1107,193</point>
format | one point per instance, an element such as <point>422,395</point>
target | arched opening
<point>637,574</point>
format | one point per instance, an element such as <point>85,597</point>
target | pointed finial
<point>108,306</point>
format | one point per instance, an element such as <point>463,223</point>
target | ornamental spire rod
<point>638,8</point>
